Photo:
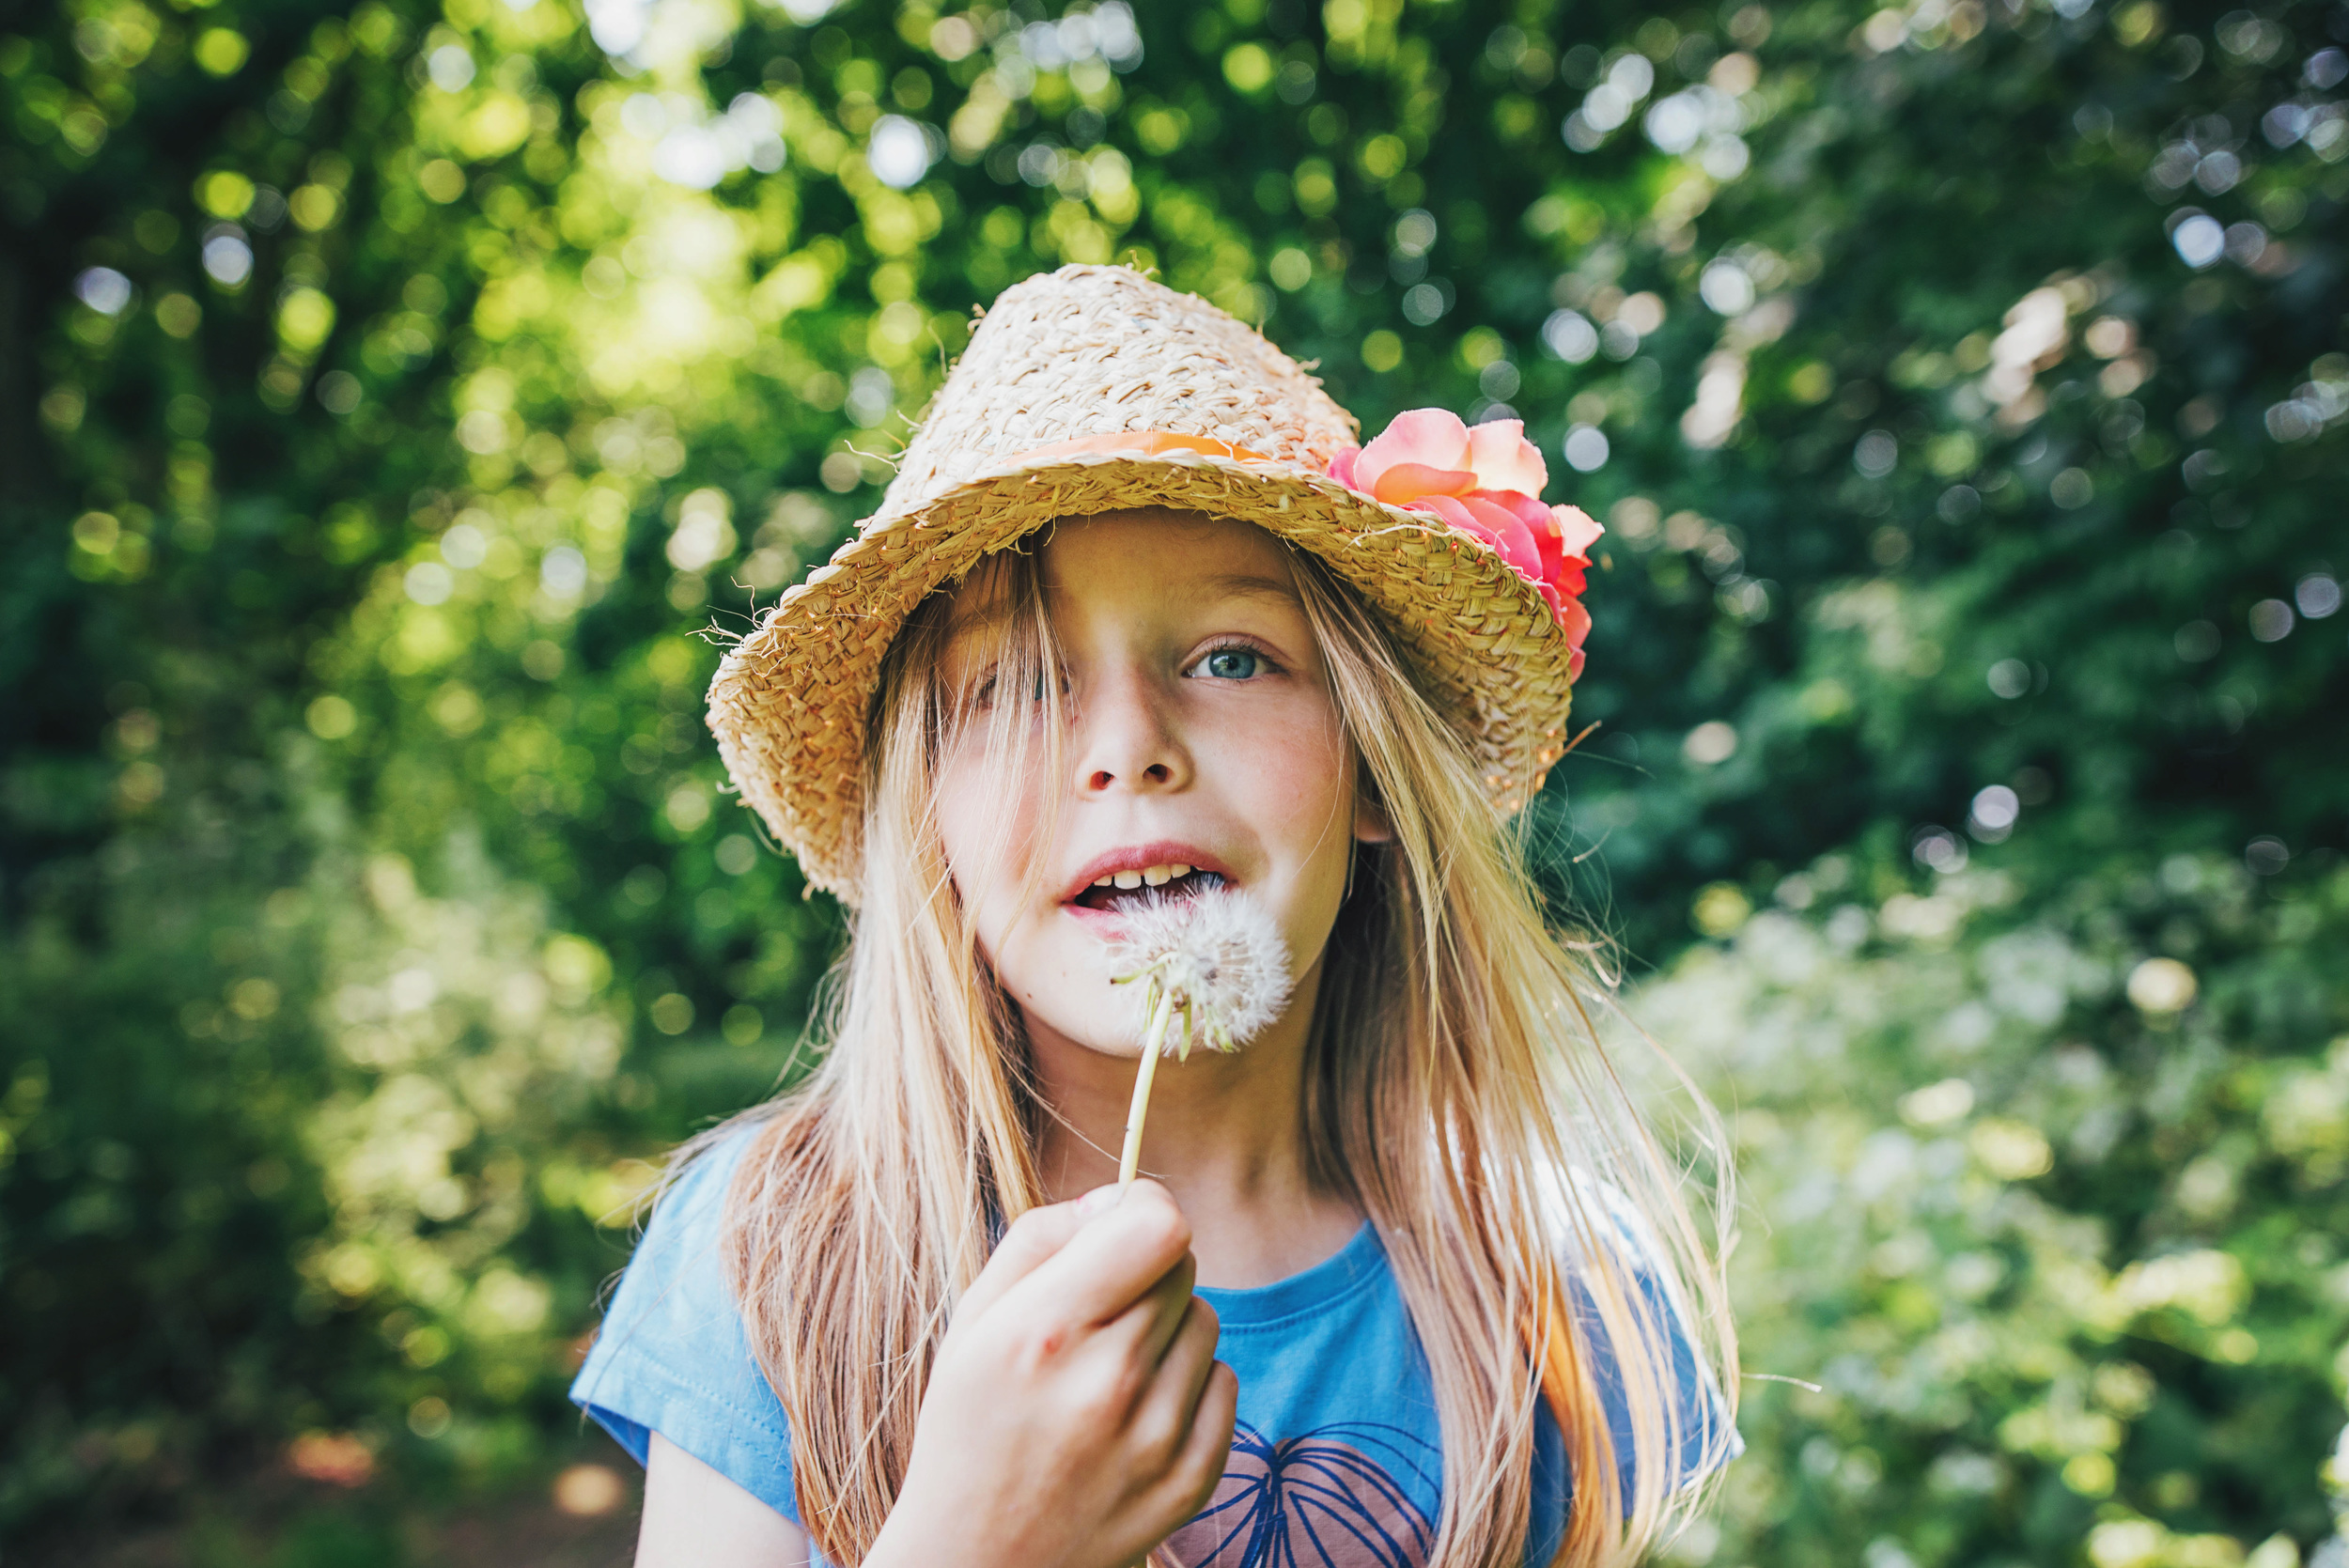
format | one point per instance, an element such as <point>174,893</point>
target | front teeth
<point>1153,875</point>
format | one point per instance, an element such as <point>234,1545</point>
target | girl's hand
<point>1076,1415</point>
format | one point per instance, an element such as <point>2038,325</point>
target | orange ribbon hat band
<point>1144,443</point>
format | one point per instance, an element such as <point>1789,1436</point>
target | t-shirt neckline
<point>1339,1274</point>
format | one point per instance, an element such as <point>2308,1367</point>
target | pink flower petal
<point>1538,523</point>
<point>1575,622</point>
<point>1453,512</point>
<point>1431,438</point>
<point>1554,549</point>
<point>1488,525</point>
<point>1486,483</point>
<point>1505,459</point>
<point>1515,540</point>
<point>1580,529</point>
<point>1405,483</point>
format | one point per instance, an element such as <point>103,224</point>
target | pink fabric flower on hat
<point>1485,481</point>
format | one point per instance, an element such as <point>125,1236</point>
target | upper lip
<point>1141,857</point>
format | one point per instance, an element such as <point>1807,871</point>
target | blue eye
<point>1231,664</point>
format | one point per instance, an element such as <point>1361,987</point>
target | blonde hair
<point>1457,1090</point>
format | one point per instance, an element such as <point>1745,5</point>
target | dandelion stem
<point>1131,1160</point>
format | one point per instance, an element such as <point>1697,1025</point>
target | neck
<point>1226,1136</point>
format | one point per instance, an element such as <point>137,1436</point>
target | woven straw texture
<point>1088,352</point>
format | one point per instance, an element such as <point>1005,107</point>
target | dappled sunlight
<point>418,396</point>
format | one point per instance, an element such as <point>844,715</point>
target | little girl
<point>1137,620</point>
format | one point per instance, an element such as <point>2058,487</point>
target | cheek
<point>1295,778</point>
<point>1298,795</point>
<point>959,818</point>
<point>986,827</point>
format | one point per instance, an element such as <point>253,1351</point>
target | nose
<point>1126,741</point>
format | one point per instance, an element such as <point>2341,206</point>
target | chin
<point>1062,987</point>
<point>1125,1043</point>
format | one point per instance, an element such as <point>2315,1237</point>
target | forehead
<point>1077,546</point>
<point>1140,558</point>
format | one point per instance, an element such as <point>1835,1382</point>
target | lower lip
<point>1102,921</point>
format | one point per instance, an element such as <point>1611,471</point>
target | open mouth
<point>1125,888</point>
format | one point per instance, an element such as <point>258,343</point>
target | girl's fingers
<point>1029,1240</point>
<point>1169,1407</point>
<point>1184,1464</point>
<point>1145,1329</point>
<point>1114,1259</point>
<point>1191,1481</point>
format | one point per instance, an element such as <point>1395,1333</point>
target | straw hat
<point>1092,390</point>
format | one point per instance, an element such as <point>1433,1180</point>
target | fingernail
<point>1097,1201</point>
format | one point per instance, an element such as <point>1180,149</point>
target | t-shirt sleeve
<point>1703,1438</point>
<point>1707,1437</point>
<point>672,1356</point>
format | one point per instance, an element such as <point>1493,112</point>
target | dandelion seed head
<point>1217,956</point>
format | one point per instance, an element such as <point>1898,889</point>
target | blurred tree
<point>391,395</point>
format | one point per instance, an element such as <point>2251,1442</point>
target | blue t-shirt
<point>1336,1460</point>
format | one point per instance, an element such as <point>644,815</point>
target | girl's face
<point>1202,744</point>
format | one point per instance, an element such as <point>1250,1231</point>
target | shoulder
<point>675,1278</point>
<point>672,1357</point>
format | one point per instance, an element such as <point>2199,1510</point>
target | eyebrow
<point>985,618</point>
<point>1251,585</point>
<point>1244,585</point>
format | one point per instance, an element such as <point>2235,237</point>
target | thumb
<point>1031,1239</point>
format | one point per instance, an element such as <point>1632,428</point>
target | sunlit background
<point>392,397</point>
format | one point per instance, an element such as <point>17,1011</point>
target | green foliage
<point>392,393</point>
<point>2057,1248</point>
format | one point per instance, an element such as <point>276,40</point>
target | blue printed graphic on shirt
<point>1336,1461</point>
<point>1320,1497</point>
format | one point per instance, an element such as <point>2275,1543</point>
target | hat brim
<point>792,701</point>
